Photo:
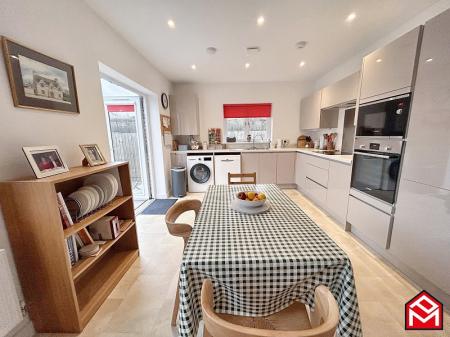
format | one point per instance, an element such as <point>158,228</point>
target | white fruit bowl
<point>248,203</point>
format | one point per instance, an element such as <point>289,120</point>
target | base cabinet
<point>300,170</point>
<point>316,191</point>
<point>286,168</point>
<point>267,168</point>
<point>421,231</point>
<point>369,223</point>
<point>270,167</point>
<point>339,178</point>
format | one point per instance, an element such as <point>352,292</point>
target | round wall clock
<point>164,100</point>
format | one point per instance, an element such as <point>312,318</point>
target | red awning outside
<point>247,110</point>
<point>120,107</point>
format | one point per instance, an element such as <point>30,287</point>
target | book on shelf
<point>82,237</point>
<point>72,250</point>
<point>65,215</point>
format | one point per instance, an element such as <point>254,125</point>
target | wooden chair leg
<point>176,306</point>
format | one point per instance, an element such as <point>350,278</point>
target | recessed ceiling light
<point>193,67</point>
<point>247,65</point>
<point>378,60</point>
<point>171,23</point>
<point>301,44</point>
<point>302,63</point>
<point>429,60</point>
<point>260,20</point>
<point>351,17</point>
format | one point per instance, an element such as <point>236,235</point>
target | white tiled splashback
<point>10,312</point>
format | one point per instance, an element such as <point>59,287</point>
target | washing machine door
<point>200,173</point>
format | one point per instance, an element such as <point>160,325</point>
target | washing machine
<point>200,171</point>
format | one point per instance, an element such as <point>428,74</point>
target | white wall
<point>69,31</point>
<point>284,96</point>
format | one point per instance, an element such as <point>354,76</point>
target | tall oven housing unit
<point>387,85</point>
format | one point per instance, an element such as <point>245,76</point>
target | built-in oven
<point>376,166</point>
<point>384,118</point>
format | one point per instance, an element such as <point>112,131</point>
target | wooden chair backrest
<point>181,229</point>
<point>324,318</point>
<point>251,181</point>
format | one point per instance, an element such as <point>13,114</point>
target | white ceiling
<point>230,26</point>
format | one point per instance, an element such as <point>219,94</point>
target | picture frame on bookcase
<point>92,154</point>
<point>45,161</point>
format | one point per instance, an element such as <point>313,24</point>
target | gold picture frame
<point>92,154</point>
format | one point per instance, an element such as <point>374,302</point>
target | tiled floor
<point>141,305</point>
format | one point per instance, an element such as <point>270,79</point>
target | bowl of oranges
<point>251,199</point>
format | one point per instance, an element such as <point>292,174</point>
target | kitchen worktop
<point>341,158</point>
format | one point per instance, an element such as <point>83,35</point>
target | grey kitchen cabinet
<point>389,71</point>
<point>421,229</point>
<point>267,168</point>
<point>184,114</point>
<point>250,163</point>
<point>339,177</point>
<point>369,223</point>
<point>421,232</point>
<point>310,111</point>
<point>300,170</point>
<point>316,192</point>
<point>286,168</point>
<point>340,92</point>
<point>430,111</point>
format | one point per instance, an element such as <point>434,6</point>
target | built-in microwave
<point>384,118</point>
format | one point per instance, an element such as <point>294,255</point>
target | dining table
<point>261,263</point>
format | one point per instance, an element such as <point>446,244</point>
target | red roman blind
<point>120,107</point>
<point>247,110</point>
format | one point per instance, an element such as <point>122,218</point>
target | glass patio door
<point>128,140</point>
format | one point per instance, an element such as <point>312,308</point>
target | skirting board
<point>23,329</point>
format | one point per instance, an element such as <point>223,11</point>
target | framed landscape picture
<point>45,161</point>
<point>39,81</point>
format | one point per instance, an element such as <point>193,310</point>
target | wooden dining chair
<point>290,322</point>
<point>249,178</point>
<point>181,230</point>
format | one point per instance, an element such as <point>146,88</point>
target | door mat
<point>159,206</point>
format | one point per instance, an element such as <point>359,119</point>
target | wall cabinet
<point>339,178</point>
<point>310,111</point>
<point>390,70</point>
<point>340,92</point>
<point>184,114</point>
<point>300,170</point>
<point>286,168</point>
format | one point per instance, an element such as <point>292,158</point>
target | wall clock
<point>164,100</point>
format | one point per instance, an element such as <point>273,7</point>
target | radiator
<point>10,313</point>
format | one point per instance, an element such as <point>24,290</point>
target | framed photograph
<point>165,123</point>
<point>93,154</point>
<point>45,160</point>
<point>38,81</point>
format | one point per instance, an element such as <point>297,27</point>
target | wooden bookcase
<point>61,297</point>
